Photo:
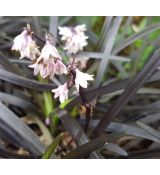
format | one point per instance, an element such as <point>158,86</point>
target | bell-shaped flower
<point>49,63</point>
<point>44,68</point>
<point>26,45</point>
<point>37,67</point>
<point>20,41</point>
<point>31,51</point>
<point>60,68</point>
<point>49,51</point>
<point>81,79</point>
<point>74,37</point>
<point>61,92</point>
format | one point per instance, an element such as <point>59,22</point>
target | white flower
<point>65,32</point>
<point>60,68</point>
<point>61,92</point>
<point>25,45</point>
<point>81,28</point>
<point>74,38</point>
<point>82,78</point>
<point>49,51</point>
<point>45,68</point>
<point>37,67</point>
<point>20,41</point>
<point>31,51</point>
<point>49,63</point>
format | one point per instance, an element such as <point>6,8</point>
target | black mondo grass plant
<point>79,87</point>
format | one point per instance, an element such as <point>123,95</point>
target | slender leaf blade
<point>51,148</point>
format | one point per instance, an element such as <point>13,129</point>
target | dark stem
<point>84,100</point>
<point>87,106</point>
<point>88,118</point>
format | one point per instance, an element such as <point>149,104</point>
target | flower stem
<point>81,92</point>
<point>85,102</point>
<point>48,100</point>
<point>87,106</point>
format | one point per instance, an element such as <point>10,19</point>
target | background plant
<point>123,55</point>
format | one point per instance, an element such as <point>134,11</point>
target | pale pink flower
<point>49,51</point>
<point>45,68</point>
<point>81,28</point>
<point>31,51</point>
<point>74,37</point>
<point>47,121</point>
<point>25,45</point>
<point>82,78</point>
<point>65,32</point>
<point>49,63</point>
<point>20,41</point>
<point>37,67</point>
<point>61,92</point>
<point>60,68</point>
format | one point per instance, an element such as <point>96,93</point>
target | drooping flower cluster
<point>48,62</point>
<point>74,38</point>
<point>26,45</point>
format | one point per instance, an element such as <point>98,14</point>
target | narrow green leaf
<point>50,150</point>
<point>134,37</point>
